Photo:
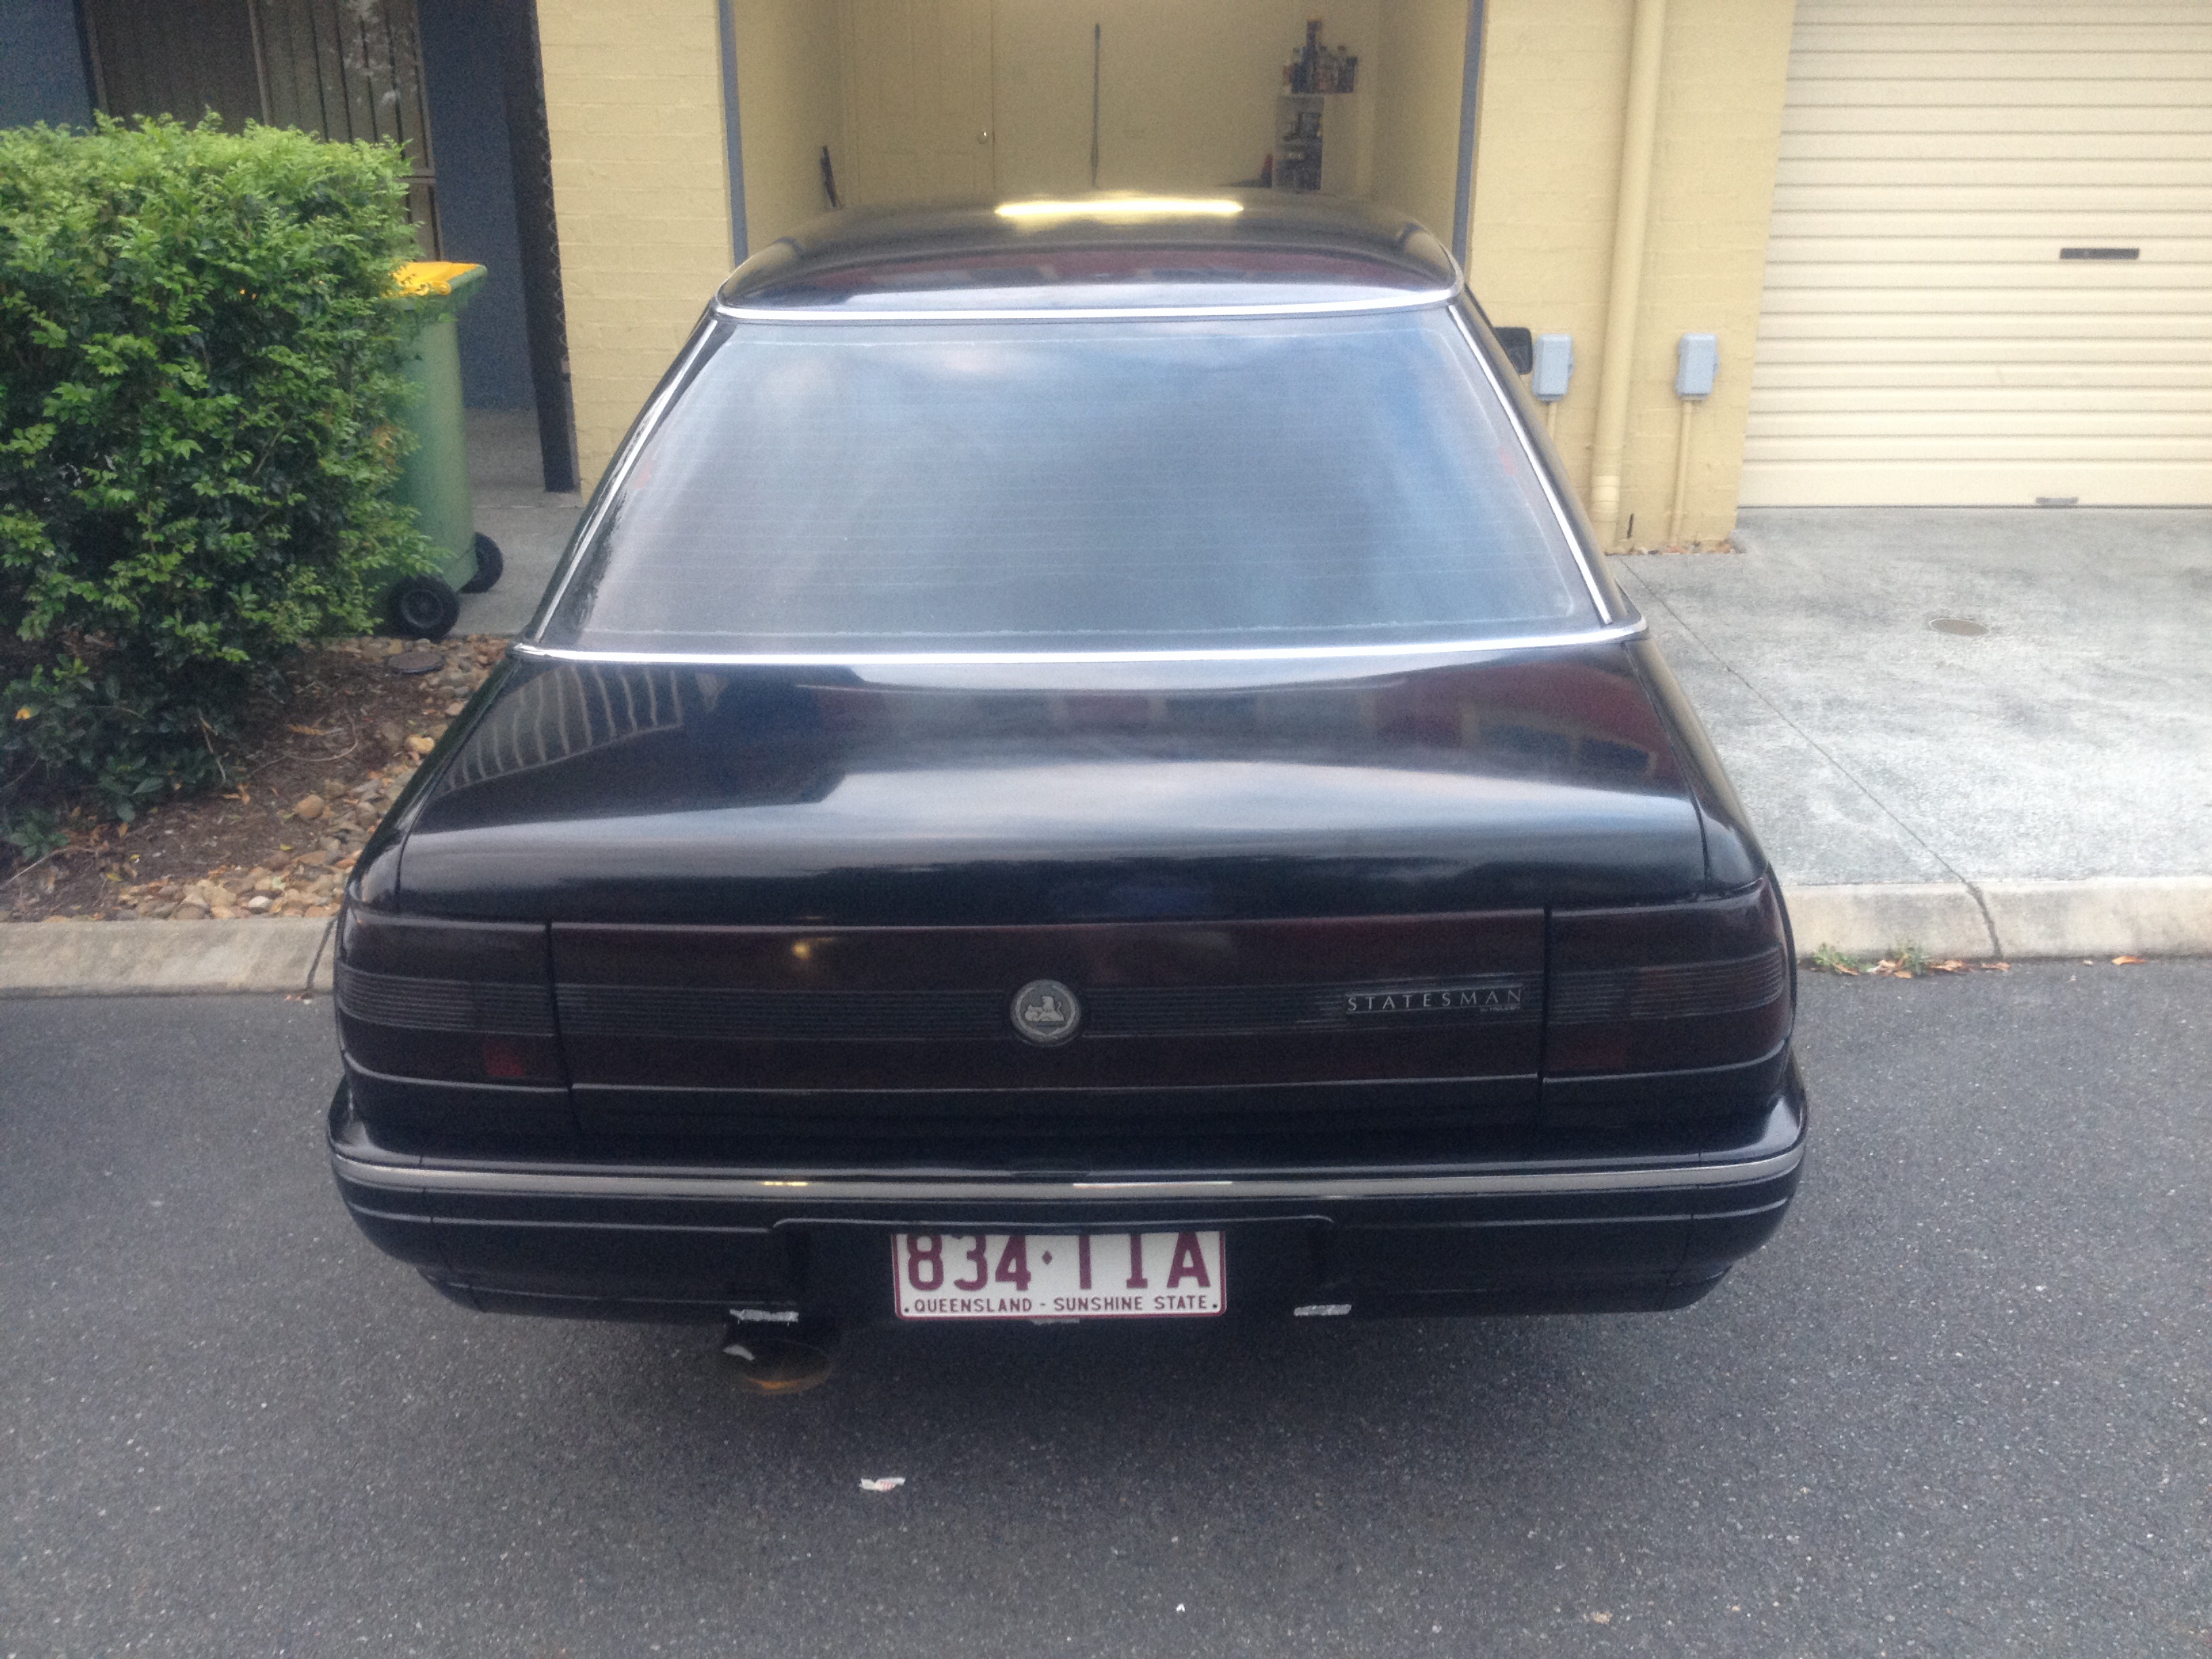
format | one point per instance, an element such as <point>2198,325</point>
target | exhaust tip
<point>791,1359</point>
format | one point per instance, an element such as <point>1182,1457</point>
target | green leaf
<point>200,388</point>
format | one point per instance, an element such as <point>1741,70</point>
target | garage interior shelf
<point>1317,141</point>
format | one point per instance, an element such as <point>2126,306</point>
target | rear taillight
<point>446,1001</point>
<point>1665,1011</point>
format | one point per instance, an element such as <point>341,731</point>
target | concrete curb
<point>2153,916</point>
<point>1942,919</point>
<point>162,959</point>
<point>2110,916</point>
<point>2146,916</point>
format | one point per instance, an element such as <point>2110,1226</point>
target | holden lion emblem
<point>1046,1012</point>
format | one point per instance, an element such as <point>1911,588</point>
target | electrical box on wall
<point>1553,368</point>
<point>1697,360</point>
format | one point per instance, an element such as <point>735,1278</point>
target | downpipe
<point>1625,289</point>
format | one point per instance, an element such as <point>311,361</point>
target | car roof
<point>1228,249</point>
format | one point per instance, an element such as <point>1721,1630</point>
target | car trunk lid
<point>791,914</point>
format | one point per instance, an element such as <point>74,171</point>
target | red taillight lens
<point>1677,1006</point>
<point>446,1001</point>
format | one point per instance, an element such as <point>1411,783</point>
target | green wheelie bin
<point>433,479</point>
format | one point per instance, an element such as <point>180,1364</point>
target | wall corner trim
<point>1470,117</point>
<point>733,145</point>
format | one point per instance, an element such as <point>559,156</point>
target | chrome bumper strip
<point>1605,1176</point>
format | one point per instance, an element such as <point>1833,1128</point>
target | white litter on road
<point>889,1483</point>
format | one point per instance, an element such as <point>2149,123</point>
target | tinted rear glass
<point>855,488</point>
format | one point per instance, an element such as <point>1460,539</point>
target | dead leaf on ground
<point>2128,961</point>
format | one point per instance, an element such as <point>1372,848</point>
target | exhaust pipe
<point>774,1351</point>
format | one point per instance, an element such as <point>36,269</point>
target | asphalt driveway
<point>1963,1406</point>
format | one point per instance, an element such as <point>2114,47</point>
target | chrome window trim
<point>1611,628</point>
<point>1436,649</point>
<point>618,471</point>
<point>1564,518</point>
<point>1414,300</point>
<point>1652,1176</point>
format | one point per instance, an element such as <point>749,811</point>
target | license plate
<point>1059,1275</point>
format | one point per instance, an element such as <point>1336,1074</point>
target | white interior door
<point>917,112</point>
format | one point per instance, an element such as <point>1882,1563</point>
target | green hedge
<point>199,382</point>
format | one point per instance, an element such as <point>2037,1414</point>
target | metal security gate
<point>347,70</point>
<point>1990,277</point>
<point>350,70</point>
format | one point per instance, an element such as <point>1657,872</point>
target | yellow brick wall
<point>790,105</point>
<point>634,103</point>
<point>1420,65</point>
<point>1546,173</point>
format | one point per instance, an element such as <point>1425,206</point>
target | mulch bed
<point>304,790</point>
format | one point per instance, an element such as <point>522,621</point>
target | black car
<point>1083,764</point>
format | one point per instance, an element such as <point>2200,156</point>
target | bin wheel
<point>491,564</point>
<point>423,608</point>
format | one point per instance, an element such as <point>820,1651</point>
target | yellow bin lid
<point>421,277</point>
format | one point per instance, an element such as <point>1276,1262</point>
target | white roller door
<point>1952,315</point>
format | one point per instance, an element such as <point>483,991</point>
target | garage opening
<point>886,103</point>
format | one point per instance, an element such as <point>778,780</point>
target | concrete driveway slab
<point>531,525</point>
<point>2068,739</point>
<point>1813,816</point>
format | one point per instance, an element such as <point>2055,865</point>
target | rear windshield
<point>852,488</point>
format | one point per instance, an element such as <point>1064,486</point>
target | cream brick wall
<point>790,104</point>
<point>1420,63</point>
<point>1546,171</point>
<point>633,102</point>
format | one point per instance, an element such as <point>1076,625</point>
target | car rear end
<point>1170,871</point>
<point>1423,1088</point>
<point>1530,1135</point>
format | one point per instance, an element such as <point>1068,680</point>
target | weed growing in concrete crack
<point>1907,961</point>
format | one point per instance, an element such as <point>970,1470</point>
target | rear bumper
<point>665,1242</point>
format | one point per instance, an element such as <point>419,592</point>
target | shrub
<point>199,380</point>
